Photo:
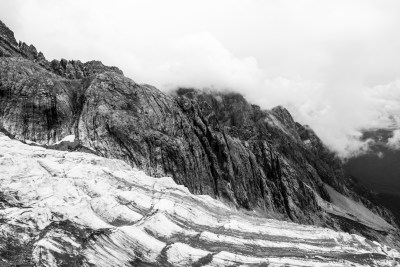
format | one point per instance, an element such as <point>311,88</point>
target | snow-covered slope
<point>75,209</point>
<point>353,210</point>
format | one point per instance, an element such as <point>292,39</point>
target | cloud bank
<point>335,65</point>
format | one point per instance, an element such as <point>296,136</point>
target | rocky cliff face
<point>213,143</point>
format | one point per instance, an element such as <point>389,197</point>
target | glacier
<point>60,208</point>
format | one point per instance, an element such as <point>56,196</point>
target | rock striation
<point>62,208</point>
<point>213,143</point>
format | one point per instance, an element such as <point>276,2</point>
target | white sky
<point>334,64</point>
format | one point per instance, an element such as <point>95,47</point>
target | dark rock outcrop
<point>7,34</point>
<point>212,142</point>
<point>74,69</point>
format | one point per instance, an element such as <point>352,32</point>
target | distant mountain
<point>214,143</point>
<point>379,169</point>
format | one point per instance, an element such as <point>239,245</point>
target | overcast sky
<point>334,64</point>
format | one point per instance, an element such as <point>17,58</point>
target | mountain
<point>213,143</point>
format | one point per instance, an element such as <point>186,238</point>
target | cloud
<point>334,64</point>
<point>394,141</point>
<point>337,112</point>
<point>200,60</point>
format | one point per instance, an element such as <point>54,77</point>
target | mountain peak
<point>70,69</point>
<point>7,34</point>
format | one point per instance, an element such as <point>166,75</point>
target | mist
<point>335,65</point>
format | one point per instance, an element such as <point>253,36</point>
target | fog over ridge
<point>335,65</point>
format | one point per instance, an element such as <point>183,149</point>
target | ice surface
<point>68,138</point>
<point>105,213</point>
